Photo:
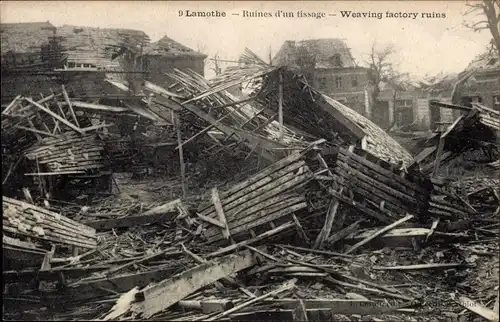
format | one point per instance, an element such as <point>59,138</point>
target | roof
<point>439,83</point>
<point>168,47</point>
<point>327,53</point>
<point>487,61</point>
<point>25,37</point>
<point>98,46</point>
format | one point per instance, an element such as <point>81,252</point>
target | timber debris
<point>282,205</point>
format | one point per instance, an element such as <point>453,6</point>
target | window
<point>337,60</point>
<point>404,103</point>
<point>354,81</point>
<point>477,99</point>
<point>338,82</point>
<point>322,82</point>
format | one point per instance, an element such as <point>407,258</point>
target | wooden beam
<point>212,221</point>
<point>98,107</point>
<point>280,106</point>
<point>267,234</point>
<point>439,152</point>
<point>70,107</point>
<point>329,219</point>
<point>220,212</point>
<point>252,139</point>
<point>97,127</point>
<point>285,287</point>
<point>54,115</point>
<point>379,232</point>
<point>11,105</point>
<point>479,309</point>
<point>176,119</point>
<point>161,296</point>
<point>417,266</point>
<point>216,122</point>
<point>36,131</point>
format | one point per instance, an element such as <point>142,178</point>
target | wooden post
<point>439,153</point>
<point>176,120</point>
<point>280,106</point>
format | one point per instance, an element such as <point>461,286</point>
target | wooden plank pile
<point>33,222</point>
<point>381,189</point>
<point>267,196</point>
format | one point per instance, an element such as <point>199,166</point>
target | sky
<point>424,46</point>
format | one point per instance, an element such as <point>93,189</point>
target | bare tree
<point>383,68</point>
<point>380,68</point>
<point>216,64</point>
<point>486,15</point>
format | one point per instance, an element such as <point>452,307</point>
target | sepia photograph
<point>250,160</point>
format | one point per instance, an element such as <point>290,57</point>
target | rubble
<point>334,220</point>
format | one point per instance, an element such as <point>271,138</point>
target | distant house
<point>329,66</point>
<point>166,54</point>
<point>442,89</point>
<point>25,44</point>
<point>395,106</point>
<point>26,48</point>
<point>480,82</point>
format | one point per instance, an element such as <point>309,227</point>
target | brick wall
<point>346,85</point>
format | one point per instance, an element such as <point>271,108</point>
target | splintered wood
<point>161,296</point>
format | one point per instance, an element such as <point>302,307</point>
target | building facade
<point>328,66</point>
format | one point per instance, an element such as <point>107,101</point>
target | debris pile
<point>334,220</point>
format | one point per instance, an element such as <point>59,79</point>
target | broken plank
<point>230,280</point>
<point>163,295</point>
<point>437,161</point>
<point>207,306</point>
<point>267,234</point>
<point>379,232</point>
<point>367,289</point>
<point>382,217</point>
<point>317,251</point>
<point>478,308</point>
<point>164,208</point>
<point>120,284</point>
<point>210,220</point>
<point>327,227</point>
<point>418,266</point>
<point>98,107</point>
<point>344,232</point>
<point>285,287</point>
<point>220,213</point>
<point>70,107</point>
<point>300,311</point>
<point>272,215</point>
<point>54,115</point>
